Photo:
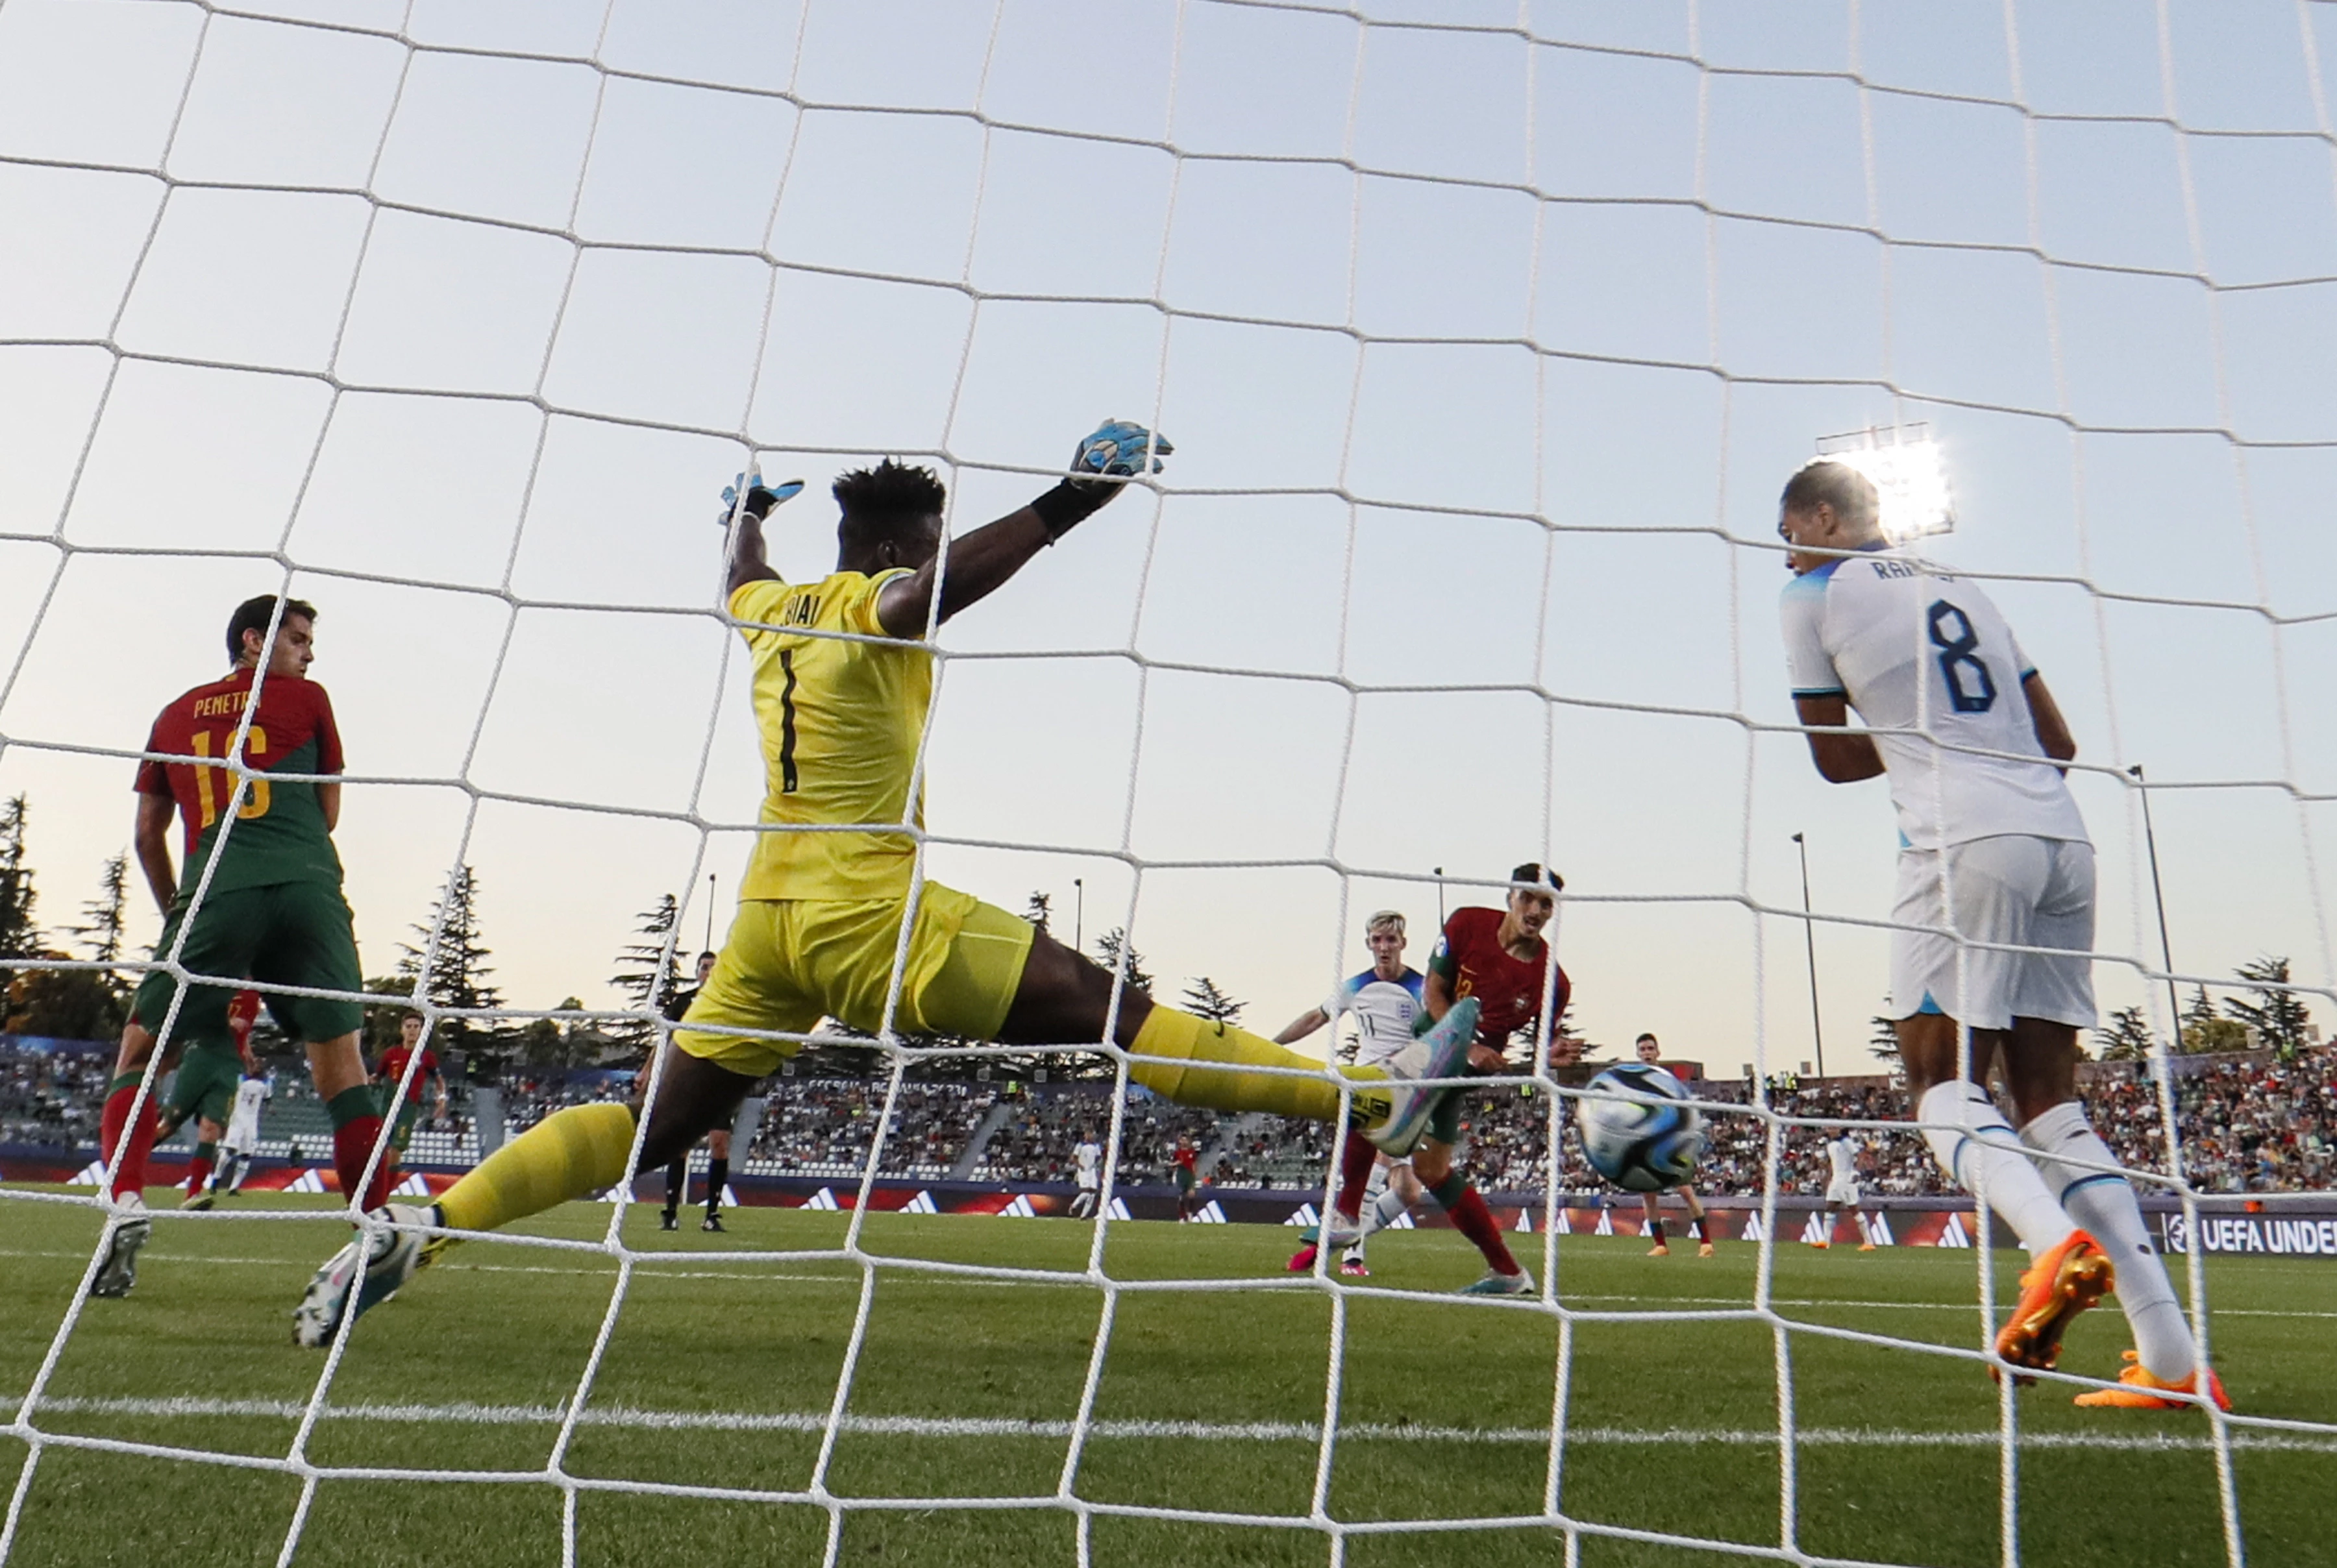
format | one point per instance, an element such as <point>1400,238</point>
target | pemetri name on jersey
<point>1935,672</point>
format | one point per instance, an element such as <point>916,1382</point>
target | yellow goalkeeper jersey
<point>840,723</point>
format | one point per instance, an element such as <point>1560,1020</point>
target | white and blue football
<point>1641,1147</point>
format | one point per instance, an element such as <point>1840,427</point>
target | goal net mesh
<point>1486,336</point>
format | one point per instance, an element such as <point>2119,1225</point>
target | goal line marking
<point>813,1423</point>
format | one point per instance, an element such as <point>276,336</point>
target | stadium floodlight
<point>1911,480</point>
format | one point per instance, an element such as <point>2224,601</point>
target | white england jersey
<point>1383,1011</point>
<point>1916,650</point>
<point>243,1122</point>
<point>1090,1156</point>
<point>1843,1155</point>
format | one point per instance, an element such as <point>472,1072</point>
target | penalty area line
<point>812,1423</point>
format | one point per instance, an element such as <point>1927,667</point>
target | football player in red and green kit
<point>272,909</point>
<point>1498,958</point>
<point>390,1073</point>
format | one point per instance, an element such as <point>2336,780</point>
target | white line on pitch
<point>808,1422</point>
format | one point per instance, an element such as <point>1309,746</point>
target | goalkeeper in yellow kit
<point>843,679</point>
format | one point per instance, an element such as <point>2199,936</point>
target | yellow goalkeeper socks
<point>1189,1040</point>
<point>570,1154</point>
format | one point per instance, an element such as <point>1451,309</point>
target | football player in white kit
<point>1995,852</point>
<point>1088,1158</point>
<point>242,1139</point>
<point>1842,1191</point>
<point>1384,1001</point>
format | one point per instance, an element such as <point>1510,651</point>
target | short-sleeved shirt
<point>243,1127</point>
<point>1926,654</point>
<point>1842,1153</point>
<point>1091,1160</point>
<point>1383,1009</point>
<point>279,835</point>
<point>841,722</point>
<point>393,1066</point>
<point>1508,988</point>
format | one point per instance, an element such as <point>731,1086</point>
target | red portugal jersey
<point>1508,990</point>
<point>391,1070</point>
<point>279,832</point>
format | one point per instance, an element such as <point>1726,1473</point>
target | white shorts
<point>1845,1193</point>
<point>2012,890</point>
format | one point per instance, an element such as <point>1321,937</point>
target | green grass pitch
<point>1207,1401</point>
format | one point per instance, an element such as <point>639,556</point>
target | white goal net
<point>1486,336</point>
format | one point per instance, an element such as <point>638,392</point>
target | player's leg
<point>1465,1206</point>
<point>202,1169</point>
<point>1651,1206</point>
<point>1698,1220</point>
<point>718,1174</point>
<point>677,1191</point>
<point>305,935</point>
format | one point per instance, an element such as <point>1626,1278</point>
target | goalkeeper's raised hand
<point>1118,450</point>
<point>760,496</point>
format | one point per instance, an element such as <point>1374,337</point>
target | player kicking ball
<point>272,911</point>
<point>842,683</point>
<point>1996,852</point>
<point>1385,1001</point>
<point>1651,1051</point>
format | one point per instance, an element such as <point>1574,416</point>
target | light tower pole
<point>1810,943</point>
<point>2158,896</point>
<point>1078,914</point>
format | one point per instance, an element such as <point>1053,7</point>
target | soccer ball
<point>1640,1148</point>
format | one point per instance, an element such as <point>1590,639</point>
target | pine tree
<point>458,969</point>
<point>20,938</point>
<point>383,1024</point>
<point>1204,998</point>
<point>1882,1037</point>
<point>106,914</point>
<point>1108,948</point>
<point>2127,1038</point>
<point>2278,1017</point>
<point>84,1004</point>
<point>1038,909</point>
<point>2204,1029</point>
<point>643,978</point>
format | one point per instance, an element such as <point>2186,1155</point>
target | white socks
<point>1384,1211</point>
<point>2103,1203</point>
<point>1986,1153</point>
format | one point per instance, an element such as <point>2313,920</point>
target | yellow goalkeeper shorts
<point>789,963</point>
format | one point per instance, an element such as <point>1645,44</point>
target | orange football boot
<point>2135,1386</point>
<point>2065,1281</point>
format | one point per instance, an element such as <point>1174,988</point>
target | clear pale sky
<point>1484,357</point>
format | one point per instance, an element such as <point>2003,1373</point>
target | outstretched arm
<point>1845,756</point>
<point>980,563</point>
<point>151,839</point>
<point>1303,1024</point>
<point>2052,729</point>
<point>747,563</point>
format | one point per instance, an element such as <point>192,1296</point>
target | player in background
<point>272,911</point>
<point>242,1143</point>
<point>1496,961</point>
<point>1842,1152</point>
<point>204,1090</point>
<point>1386,1002</point>
<point>717,1141</point>
<point>1187,1178</point>
<point>1995,852</point>
<point>1651,1052</point>
<point>389,1077</point>
<point>843,682</point>
<point>1088,1159</point>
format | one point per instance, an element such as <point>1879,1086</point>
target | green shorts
<point>286,934</point>
<point>206,1083</point>
<point>1444,1121</point>
<point>403,1128</point>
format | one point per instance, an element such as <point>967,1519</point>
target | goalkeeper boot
<point>118,1269</point>
<point>2138,1390</point>
<point>2068,1279</point>
<point>1442,1053</point>
<point>366,1272</point>
<point>1496,1283</point>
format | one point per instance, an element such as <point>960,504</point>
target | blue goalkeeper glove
<point>761,497</point>
<point>1117,450</point>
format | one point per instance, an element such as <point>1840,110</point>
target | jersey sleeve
<point>328,733</point>
<point>1808,666</point>
<point>759,601</point>
<point>857,609</point>
<point>1441,960</point>
<point>153,777</point>
<point>2022,665</point>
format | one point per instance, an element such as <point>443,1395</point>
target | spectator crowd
<point>2247,1123</point>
